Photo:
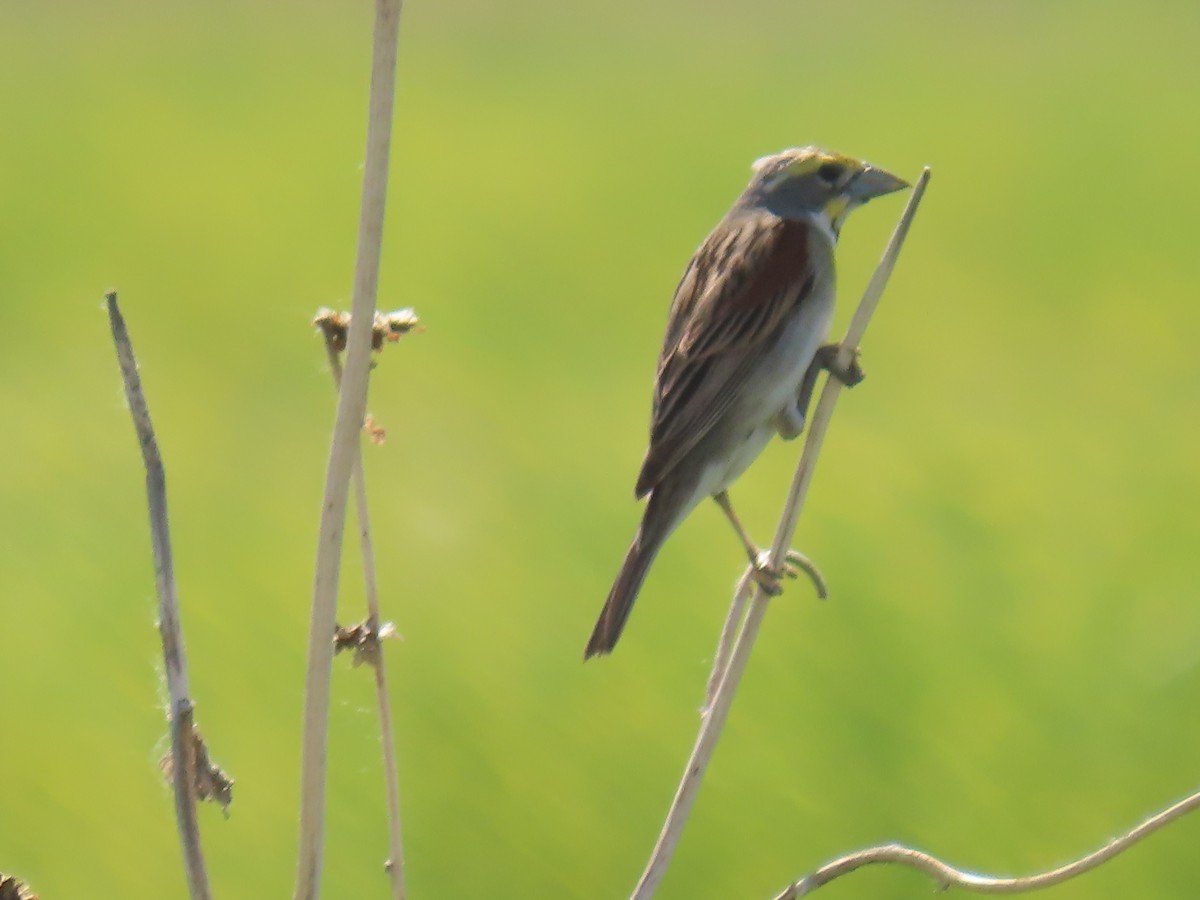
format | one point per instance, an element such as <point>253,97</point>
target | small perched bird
<point>742,351</point>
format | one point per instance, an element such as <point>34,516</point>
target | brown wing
<point>741,285</point>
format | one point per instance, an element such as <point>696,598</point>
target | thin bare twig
<point>352,403</point>
<point>717,711</point>
<point>373,651</point>
<point>180,713</point>
<point>948,876</point>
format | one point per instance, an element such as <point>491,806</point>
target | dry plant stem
<point>729,633</point>
<point>948,877</point>
<point>180,712</point>
<point>370,584</point>
<point>733,621</point>
<point>713,723</point>
<point>352,402</point>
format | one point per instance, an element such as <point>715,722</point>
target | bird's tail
<point>624,591</point>
<point>669,504</point>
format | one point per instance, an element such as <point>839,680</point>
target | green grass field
<point>1009,665</point>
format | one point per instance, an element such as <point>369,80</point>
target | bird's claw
<point>769,578</point>
<point>796,562</point>
<point>844,367</point>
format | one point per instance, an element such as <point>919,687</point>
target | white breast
<point>774,386</point>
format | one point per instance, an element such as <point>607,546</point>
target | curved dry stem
<point>947,876</point>
<point>352,402</point>
<point>802,563</point>
<point>718,710</point>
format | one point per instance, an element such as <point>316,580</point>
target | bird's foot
<point>770,579</point>
<point>843,366</point>
<point>767,577</point>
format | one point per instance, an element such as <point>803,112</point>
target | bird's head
<point>812,181</point>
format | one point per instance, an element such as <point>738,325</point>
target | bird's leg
<point>761,570</point>
<point>790,420</point>
<point>751,548</point>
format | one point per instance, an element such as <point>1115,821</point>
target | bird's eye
<point>830,173</point>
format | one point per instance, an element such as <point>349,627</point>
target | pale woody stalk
<point>352,403</point>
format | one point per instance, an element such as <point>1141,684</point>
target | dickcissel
<point>742,351</point>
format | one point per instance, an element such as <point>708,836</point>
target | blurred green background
<point>1008,670</point>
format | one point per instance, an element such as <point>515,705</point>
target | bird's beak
<point>872,182</point>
